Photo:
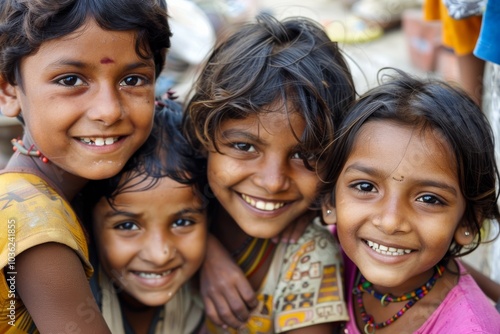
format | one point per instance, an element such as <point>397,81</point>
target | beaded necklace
<point>18,146</point>
<point>385,299</point>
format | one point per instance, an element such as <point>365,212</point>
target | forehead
<point>271,121</point>
<point>403,146</point>
<point>88,42</point>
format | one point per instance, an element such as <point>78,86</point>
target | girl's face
<point>88,100</point>
<point>260,178</point>
<point>399,204</point>
<point>153,241</point>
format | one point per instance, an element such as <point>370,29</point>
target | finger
<point>211,312</point>
<point>238,306</point>
<point>225,312</point>
<point>247,294</point>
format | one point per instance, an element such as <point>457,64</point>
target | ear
<point>463,234</point>
<point>329,214</point>
<point>9,104</point>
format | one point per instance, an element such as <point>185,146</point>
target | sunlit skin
<point>261,163</point>
<point>399,188</point>
<point>152,242</point>
<point>83,90</point>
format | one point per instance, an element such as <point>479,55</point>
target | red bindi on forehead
<point>107,60</point>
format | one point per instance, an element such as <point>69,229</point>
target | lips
<point>387,250</point>
<point>261,204</point>
<point>154,279</point>
<point>151,275</point>
<point>99,141</point>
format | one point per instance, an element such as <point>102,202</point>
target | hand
<point>226,292</point>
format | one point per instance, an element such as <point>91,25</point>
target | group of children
<point>228,199</point>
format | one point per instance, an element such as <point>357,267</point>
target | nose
<point>157,250</point>
<point>106,105</point>
<point>273,174</point>
<point>391,218</point>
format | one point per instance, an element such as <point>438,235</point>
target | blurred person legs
<point>461,36</point>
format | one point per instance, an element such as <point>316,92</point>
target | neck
<point>139,316</point>
<point>409,285</point>
<point>68,185</point>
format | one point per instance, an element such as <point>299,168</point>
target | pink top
<point>466,309</point>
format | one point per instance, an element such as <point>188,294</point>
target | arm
<point>489,287</point>
<point>54,288</point>
<point>226,292</point>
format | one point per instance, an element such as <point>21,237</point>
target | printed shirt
<point>35,214</point>
<point>302,288</point>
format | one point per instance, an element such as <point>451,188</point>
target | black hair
<point>25,25</point>
<point>437,105</point>
<point>266,66</point>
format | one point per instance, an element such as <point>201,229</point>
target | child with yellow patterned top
<point>81,76</point>
<point>263,111</point>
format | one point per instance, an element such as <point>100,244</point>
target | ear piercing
<point>328,212</point>
<point>467,233</point>
<point>18,146</point>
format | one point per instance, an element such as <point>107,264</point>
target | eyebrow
<point>114,213</point>
<point>377,173</point>
<point>365,169</point>
<point>199,210</point>
<point>240,133</point>
<point>78,64</point>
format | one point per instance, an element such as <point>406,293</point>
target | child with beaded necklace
<point>414,180</point>
<point>264,109</point>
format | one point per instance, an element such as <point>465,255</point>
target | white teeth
<point>153,275</point>
<point>99,141</point>
<point>261,205</point>
<point>387,250</point>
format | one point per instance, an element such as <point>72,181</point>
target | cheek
<point>144,124</point>
<point>194,249</point>
<point>115,255</point>
<point>218,178</point>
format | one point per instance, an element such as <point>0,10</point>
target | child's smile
<point>259,176</point>
<point>149,248</point>
<point>398,203</point>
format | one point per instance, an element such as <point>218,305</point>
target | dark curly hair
<point>26,24</point>
<point>265,66</point>
<point>437,105</point>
